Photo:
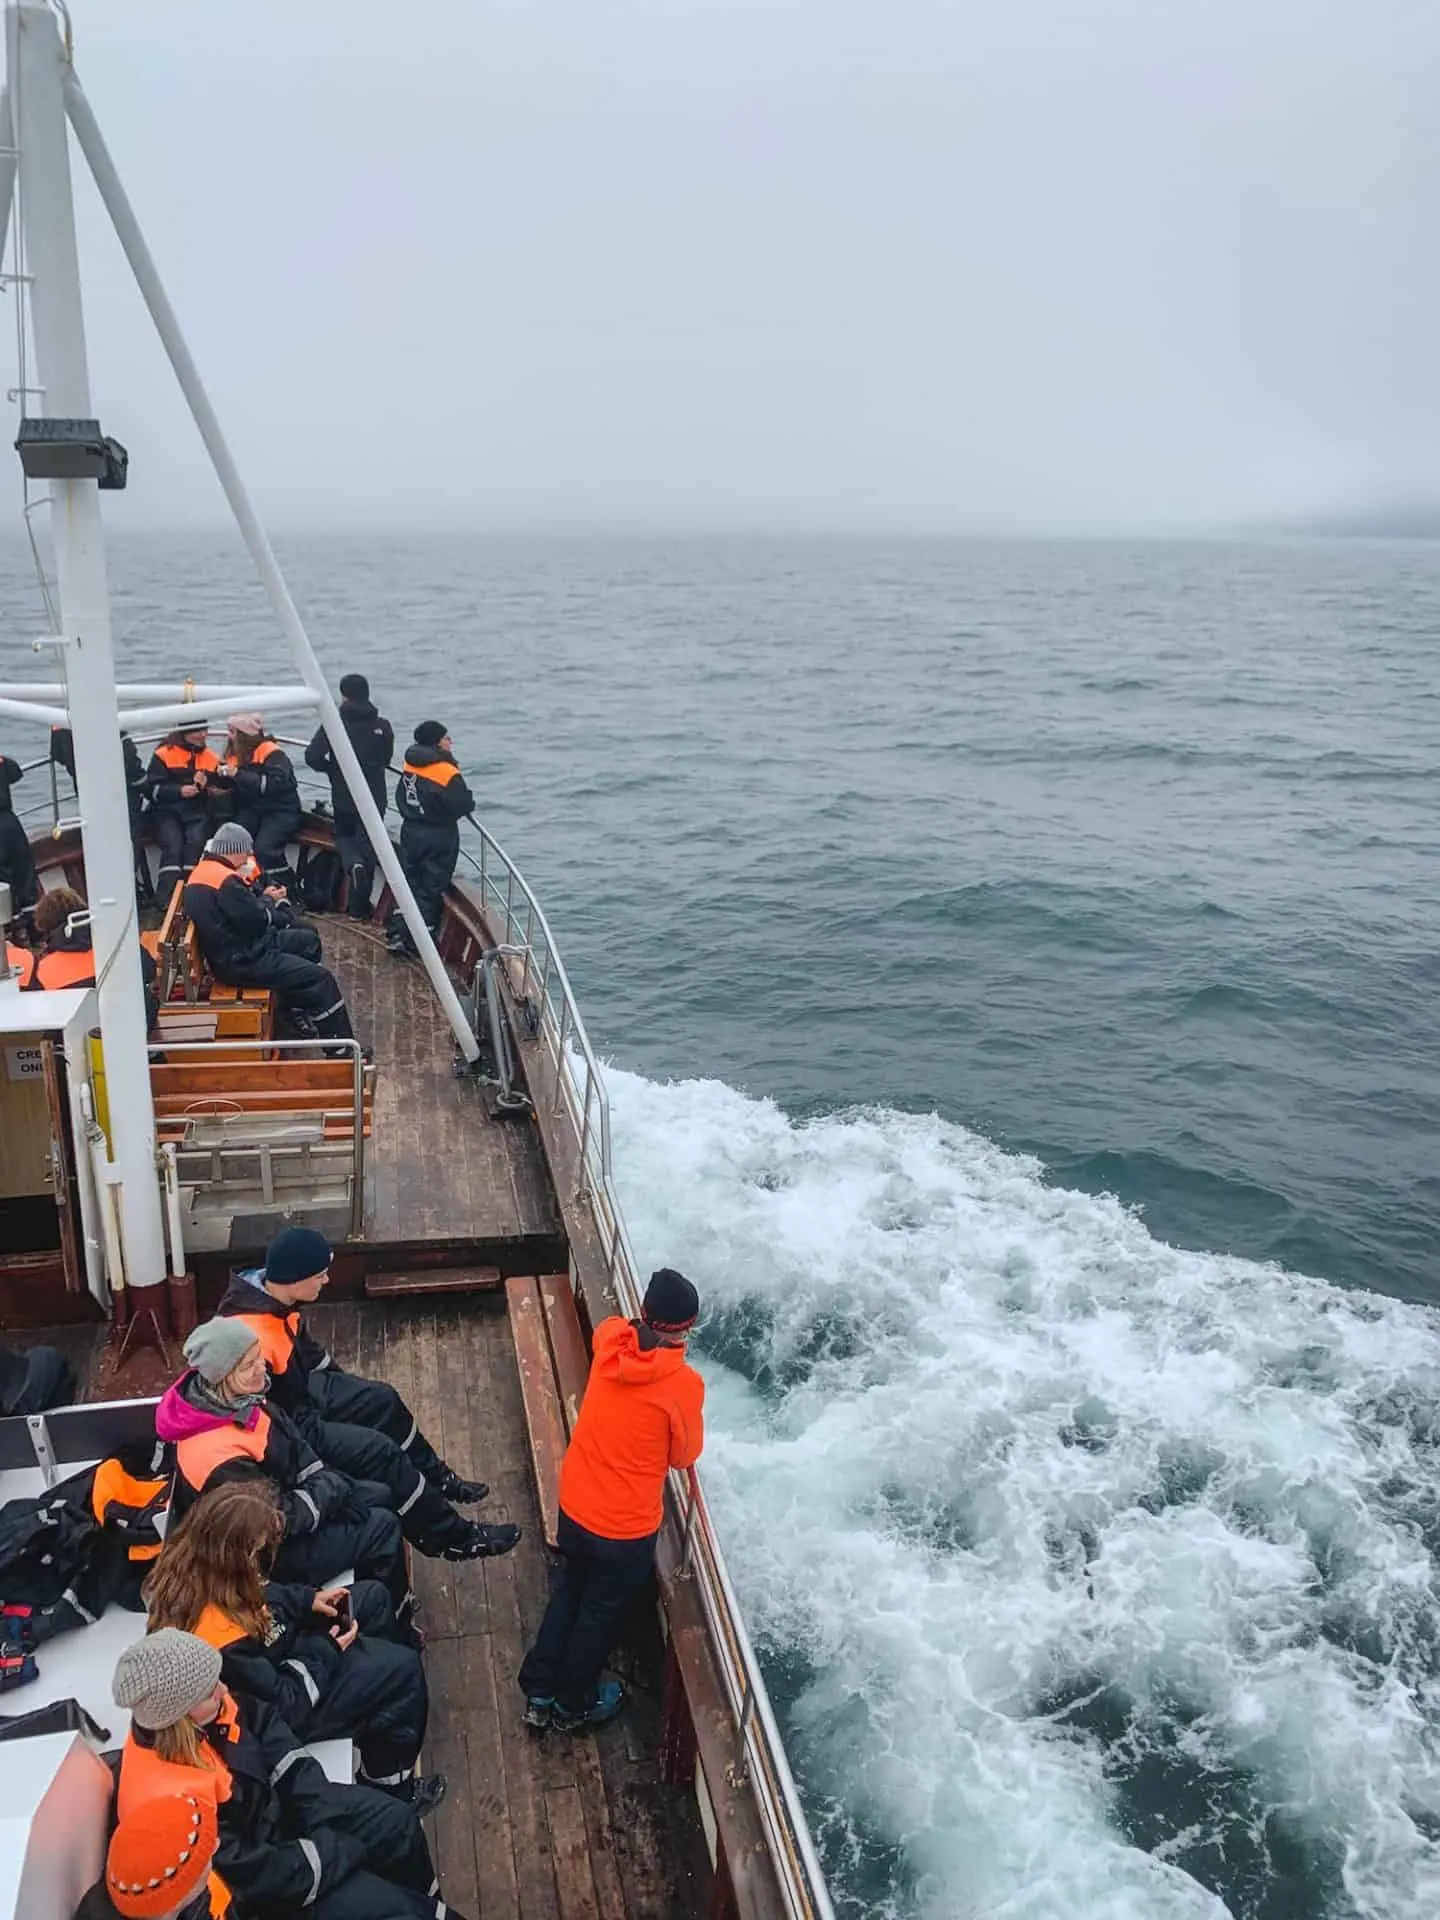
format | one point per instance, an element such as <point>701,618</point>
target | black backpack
<point>319,880</point>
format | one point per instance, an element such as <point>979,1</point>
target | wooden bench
<point>182,970</point>
<point>226,1084</point>
<point>552,1355</point>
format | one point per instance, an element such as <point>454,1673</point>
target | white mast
<point>47,219</point>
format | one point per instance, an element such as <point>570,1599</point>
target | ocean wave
<point>1095,1578</point>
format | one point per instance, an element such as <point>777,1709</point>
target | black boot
<point>461,1493</point>
<point>484,1543</point>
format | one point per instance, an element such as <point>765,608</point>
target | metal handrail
<point>559,1025</point>
<point>229,1046</point>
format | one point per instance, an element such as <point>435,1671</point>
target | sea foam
<point>1093,1578</point>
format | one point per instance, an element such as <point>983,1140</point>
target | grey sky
<point>1007,263</point>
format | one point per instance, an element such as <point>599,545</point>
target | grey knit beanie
<point>162,1676</point>
<point>231,838</point>
<point>217,1347</point>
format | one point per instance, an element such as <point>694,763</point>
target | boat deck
<point>549,1827</point>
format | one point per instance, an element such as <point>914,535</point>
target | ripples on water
<point>1096,1575</point>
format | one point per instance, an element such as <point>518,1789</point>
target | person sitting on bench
<point>217,1418</point>
<point>286,1646</point>
<point>245,944</point>
<point>361,1426</point>
<point>257,776</point>
<point>291,1841</point>
<point>62,920</point>
<point>178,780</point>
<point>160,1865</point>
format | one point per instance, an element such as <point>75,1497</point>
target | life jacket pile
<point>67,1554</point>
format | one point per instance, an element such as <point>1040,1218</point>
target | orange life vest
<point>217,1629</point>
<point>257,759</point>
<point>442,772</point>
<point>130,1502</point>
<point>179,759</point>
<point>276,1336</point>
<point>65,967</point>
<point>199,1455</point>
<point>211,873</point>
<point>144,1777</point>
<point>22,960</point>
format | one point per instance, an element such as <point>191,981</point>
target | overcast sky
<point>1006,263</point>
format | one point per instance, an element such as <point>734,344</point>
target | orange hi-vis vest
<point>187,759</point>
<point>257,759</point>
<point>65,967</point>
<point>211,873</point>
<point>199,1455</point>
<point>144,1777</point>
<point>276,1335</point>
<point>218,1630</point>
<point>22,960</point>
<point>442,773</point>
<point>130,1502</point>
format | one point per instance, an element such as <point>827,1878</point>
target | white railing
<point>575,1089</point>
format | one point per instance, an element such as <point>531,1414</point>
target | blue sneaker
<point>610,1697</point>
<point>538,1710</point>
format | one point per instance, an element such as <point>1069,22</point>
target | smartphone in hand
<point>342,1611</point>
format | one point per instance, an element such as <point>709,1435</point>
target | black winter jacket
<point>10,772</point>
<point>289,1385</point>
<point>438,805</point>
<point>274,1844</point>
<point>309,1492</point>
<point>264,792</point>
<point>62,752</point>
<point>235,924</point>
<point>373,739</point>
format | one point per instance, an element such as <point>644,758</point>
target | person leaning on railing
<point>642,1414</point>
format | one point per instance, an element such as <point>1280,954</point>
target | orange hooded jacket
<point>643,1412</point>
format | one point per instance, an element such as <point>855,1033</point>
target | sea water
<point>1019,966</point>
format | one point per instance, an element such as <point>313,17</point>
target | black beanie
<point>430,733</point>
<point>296,1254</point>
<point>354,687</point>
<point>671,1304</point>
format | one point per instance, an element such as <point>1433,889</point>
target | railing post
<point>560,1055</point>
<point>357,1160</point>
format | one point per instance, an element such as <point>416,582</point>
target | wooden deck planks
<point>440,1169</point>
<point>532,1828</point>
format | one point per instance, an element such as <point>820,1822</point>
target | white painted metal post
<point>59,329</point>
<point>122,215</point>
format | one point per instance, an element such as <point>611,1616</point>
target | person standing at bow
<point>432,799</point>
<point>373,739</point>
<point>179,776</point>
<point>259,780</point>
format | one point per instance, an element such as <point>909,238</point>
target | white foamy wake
<point>1083,1561</point>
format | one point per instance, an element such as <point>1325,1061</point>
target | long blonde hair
<point>183,1745</point>
<point>217,1557</point>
